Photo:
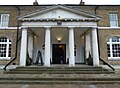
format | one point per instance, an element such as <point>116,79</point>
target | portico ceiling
<point>59,31</point>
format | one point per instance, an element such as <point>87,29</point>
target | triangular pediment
<point>58,12</point>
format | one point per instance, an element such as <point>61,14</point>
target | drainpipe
<point>17,35</point>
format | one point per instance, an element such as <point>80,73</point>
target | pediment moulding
<point>59,12</point>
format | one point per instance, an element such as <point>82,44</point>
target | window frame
<point>8,43</point>
<point>114,22</point>
<point>4,21</point>
<point>110,43</point>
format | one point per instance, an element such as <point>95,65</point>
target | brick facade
<point>104,34</point>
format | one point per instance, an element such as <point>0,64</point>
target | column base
<point>71,65</point>
<point>46,65</point>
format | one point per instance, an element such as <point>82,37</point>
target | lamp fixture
<point>59,38</point>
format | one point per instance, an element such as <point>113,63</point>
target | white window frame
<point>111,53</point>
<point>113,17</point>
<point>7,50</point>
<point>4,20</point>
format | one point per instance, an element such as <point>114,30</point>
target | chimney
<point>35,3</point>
<point>82,3</point>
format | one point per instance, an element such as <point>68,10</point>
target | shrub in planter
<point>89,60</point>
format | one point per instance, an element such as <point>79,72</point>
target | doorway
<point>59,54</point>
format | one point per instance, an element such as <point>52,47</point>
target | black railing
<point>13,58</point>
<point>107,64</point>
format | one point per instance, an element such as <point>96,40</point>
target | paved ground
<point>62,86</point>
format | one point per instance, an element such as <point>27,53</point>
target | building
<point>64,34</point>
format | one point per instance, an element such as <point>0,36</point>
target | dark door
<point>59,54</point>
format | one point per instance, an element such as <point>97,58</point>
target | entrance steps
<point>59,70</point>
<point>59,75</point>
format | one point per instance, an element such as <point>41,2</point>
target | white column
<point>47,47</point>
<point>87,45</point>
<point>71,47</point>
<point>95,47</point>
<point>23,52</point>
<point>30,46</point>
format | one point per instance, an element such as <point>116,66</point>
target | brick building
<point>64,34</point>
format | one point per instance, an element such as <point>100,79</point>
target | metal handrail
<point>107,64</point>
<point>11,59</point>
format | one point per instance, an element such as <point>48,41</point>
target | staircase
<point>59,75</point>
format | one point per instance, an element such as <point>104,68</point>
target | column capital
<point>24,27</point>
<point>47,27</point>
<point>71,27</point>
<point>94,28</point>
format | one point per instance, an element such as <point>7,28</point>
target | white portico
<point>61,33</point>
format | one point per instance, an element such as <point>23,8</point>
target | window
<point>5,48</point>
<point>113,48</point>
<point>113,17</point>
<point>4,20</point>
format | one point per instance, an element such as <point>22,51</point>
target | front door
<point>59,54</point>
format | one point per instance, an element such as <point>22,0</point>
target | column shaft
<point>30,46</point>
<point>71,47</point>
<point>95,48</point>
<point>87,45</point>
<point>47,47</point>
<point>23,52</point>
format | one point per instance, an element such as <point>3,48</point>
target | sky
<point>88,2</point>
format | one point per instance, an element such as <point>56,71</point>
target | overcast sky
<point>30,2</point>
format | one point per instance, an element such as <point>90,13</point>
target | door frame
<point>63,52</point>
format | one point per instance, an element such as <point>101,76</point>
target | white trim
<point>108,27</point>
<point>64,24</point>
<point>5,58</point>
<point>113,58</point>
<point>111,53</point>
<point>5,43</point>
<point>12,28</point>
<point>7,48</point>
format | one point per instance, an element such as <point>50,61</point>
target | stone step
<point>59,72</point>
<point>59,75</point>
<point>56,82</point>
<point>58,69</point>
<point>41,67</point>
<point>60,79</point>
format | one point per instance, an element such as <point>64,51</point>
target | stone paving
<point>61,86</point>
